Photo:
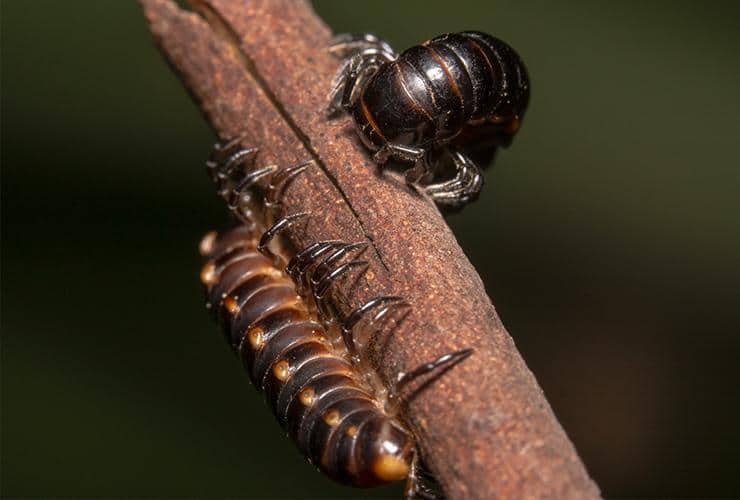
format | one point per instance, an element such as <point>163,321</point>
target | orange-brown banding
<point>485,56</point>
<point>412,101</point>
<point>281,370</point>
<point>450,79</point>
<point>370,118</point>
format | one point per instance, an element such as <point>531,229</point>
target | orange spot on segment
<point>331,417</point>
<point>207,243</point>
<point>256,338</point>
<point>231,305</point>
<point>513,125</point>
<point>281,370</point>
<point>208,274</point>
<point>307,396</point>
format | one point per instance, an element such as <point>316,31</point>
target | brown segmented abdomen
<point>317,394</point>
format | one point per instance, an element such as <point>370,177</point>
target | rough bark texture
<point>260,68</point>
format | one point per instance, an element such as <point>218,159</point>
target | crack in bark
<point>221,27</point>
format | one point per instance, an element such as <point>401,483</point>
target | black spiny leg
<point>381,305</point>
<point>280,181</point>
<point>304,259</point>
<point>323,286</point>
<point>321,273</point>
<point>224,159</point>
<point>347,44</point>
<point>463,188</point>
<point>415,488</point>
<point>442,362</point>
<point>402,152</point>
<point>363,55</point>
<point>231,168</point>
<point>279,226</point>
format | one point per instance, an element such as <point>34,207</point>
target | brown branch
<point>260,68</point>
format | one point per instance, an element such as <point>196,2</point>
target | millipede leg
<point>403,152</point>
<point>461,189</point>
<point>383,305</point>
<point>363,55</point>
<point>444,361</point>
<point>316,278</point>
<point>323,286</point>
<point>221,150</point>
<point>311,267</point>
<point>226,155</point>
<point>297,266</point>
<point>280,225</point>
<point>233,184</point>
<point>354,73</point>
<point>222,172</point>
<point>345,44</point>
<point>280,180</point>
<point>238,198</point>
<point>319,273</point>
<point>415,488</point>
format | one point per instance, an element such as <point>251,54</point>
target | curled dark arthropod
<point>432,98</point>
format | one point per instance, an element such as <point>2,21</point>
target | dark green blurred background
<point>607,236</point>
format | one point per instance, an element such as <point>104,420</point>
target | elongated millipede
<point>315,392</point>
<point>303,360</point>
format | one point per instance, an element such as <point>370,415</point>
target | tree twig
<point>260,68</point>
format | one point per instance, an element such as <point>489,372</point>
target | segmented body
<point>432,91</point>
<point>318,395</point>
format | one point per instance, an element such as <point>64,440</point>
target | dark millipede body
<point>305,359</point>
<point>327,407</point>
<point>435,95</point>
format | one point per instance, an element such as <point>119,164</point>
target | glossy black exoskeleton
<point>434,97</point>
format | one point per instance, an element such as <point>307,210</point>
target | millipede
<point>298,353</point>
<point>437,96</point>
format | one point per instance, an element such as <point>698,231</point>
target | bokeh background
<point>607,236</point>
